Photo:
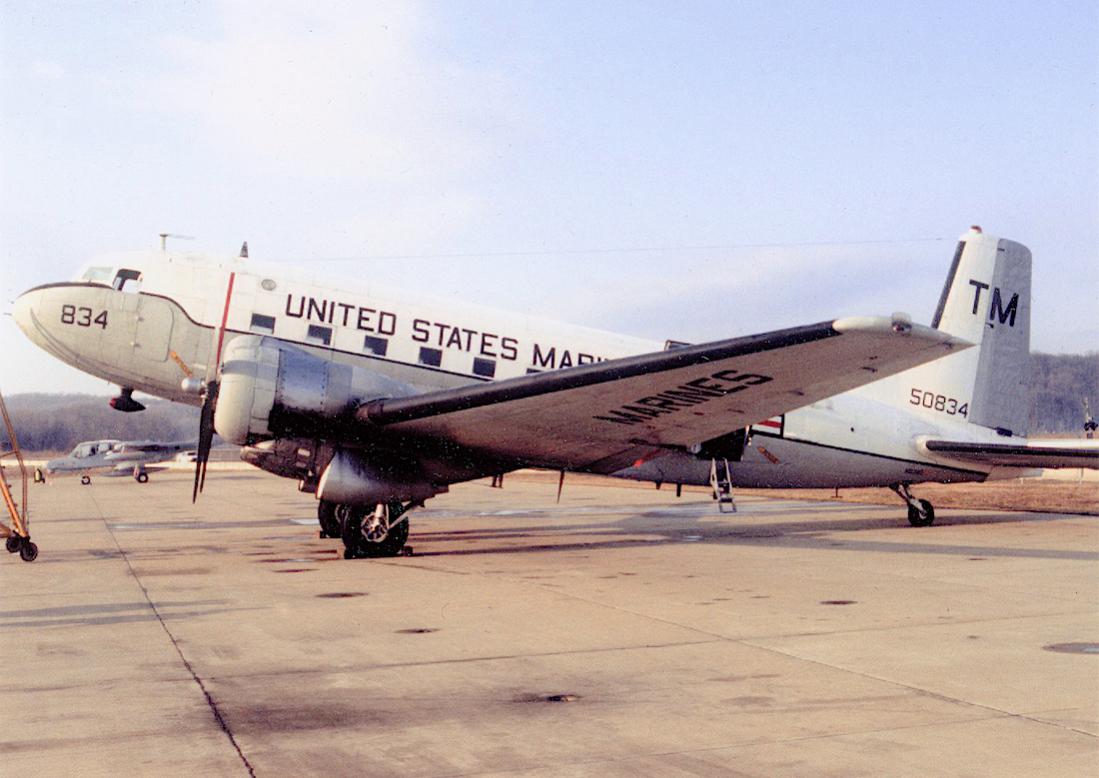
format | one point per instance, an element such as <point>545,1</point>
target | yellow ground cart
<point>17,537</point>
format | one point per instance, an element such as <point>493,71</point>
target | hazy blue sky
<point>539,141</point>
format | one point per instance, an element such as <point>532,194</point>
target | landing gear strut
<point>380,532</point>
<point>920,512</point>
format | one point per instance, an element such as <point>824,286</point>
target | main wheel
<point>363,538</point>
<point>328,518</point>
<point>85,479</point>
<point>391,545</point>
<point>142,478</point>
<point>28,552</point>
<point>924,516</point>
<point>13,543</point>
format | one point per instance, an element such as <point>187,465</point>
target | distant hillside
<point>1058,385</point>
<point>57,422</point>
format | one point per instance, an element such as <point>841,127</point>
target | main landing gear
<point>378,532</point>
<point>920,512</point>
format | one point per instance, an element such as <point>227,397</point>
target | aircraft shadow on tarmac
<point>663,527</point>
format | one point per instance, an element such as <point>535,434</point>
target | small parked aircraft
<point>376,400</point>
<point>116,457</point>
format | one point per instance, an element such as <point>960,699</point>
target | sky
<point>686,170</point>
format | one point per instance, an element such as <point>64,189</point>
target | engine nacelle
<point>350,480</point>
<point>271,390</point>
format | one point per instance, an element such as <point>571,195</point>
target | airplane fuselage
<point>151,338</point>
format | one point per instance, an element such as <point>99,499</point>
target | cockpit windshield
<point>91,448</point>
<point>101,275</point>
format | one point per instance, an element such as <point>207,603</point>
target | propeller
<point>205,437</point>
<point>210,399</point>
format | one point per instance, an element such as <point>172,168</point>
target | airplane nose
<point>23,312</point>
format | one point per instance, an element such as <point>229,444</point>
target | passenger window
<point>375,346</point>
<point>432,357</point>
<point>321,336</point>
<point>485,368</point>
<point>265,325</point>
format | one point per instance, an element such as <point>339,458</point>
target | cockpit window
<point>127,281</point>
<point>97,274</point>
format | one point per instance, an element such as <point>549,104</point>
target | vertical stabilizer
<point>986,300</point>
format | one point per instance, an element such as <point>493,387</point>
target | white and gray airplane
<point>116,458</point>
<point>376,399</point>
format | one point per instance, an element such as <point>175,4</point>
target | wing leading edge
<point>602,417</point>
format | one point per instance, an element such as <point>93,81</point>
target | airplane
<point>117,457</point>
<point>376,400</point>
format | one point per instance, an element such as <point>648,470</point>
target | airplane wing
<point>1035,453</point>
<point>605,416</point>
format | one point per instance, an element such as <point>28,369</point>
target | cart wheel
<point>13,543</point>
<point>29,551</point>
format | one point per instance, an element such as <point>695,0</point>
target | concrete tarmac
<point>620,632</point>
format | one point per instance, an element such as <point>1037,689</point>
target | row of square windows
<point>375,346</point>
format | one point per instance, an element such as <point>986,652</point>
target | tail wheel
<point>924,516</point>
<point>85,479</point>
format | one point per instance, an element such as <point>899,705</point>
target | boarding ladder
<point>721,481</point>
<point>17,537</point>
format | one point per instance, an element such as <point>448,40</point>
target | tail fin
<point>986,300</point>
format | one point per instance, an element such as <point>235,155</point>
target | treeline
<point>57,422</point>
<point>1059,384</point>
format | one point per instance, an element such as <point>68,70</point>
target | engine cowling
<point>350,479</point>
<point>271,390</point>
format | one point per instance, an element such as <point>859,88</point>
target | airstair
<point>17,537</point>
<point>721,481</point>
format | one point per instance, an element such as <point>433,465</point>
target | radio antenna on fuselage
<point>165,235</point>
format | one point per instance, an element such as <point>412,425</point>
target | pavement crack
<point>218,717</point>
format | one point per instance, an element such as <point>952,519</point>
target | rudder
<point>986,300</point>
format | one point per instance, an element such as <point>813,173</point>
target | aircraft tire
<point>13,543</point>
<point>142,478</point>
<point>392,544</point>
<point>85,479</point>
<point>924,516</point>
<point>329,520</point>
<point>356,546</point>
<point>28,552</point>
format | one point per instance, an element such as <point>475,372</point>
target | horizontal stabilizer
<point>1044,453</point>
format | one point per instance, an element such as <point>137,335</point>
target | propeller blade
<point>209,402</point>
<point>205,438</point>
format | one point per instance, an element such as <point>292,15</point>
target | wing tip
<point>899,325</point>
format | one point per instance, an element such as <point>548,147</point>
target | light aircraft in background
<point>376,400</point>
<point>116,458</point>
